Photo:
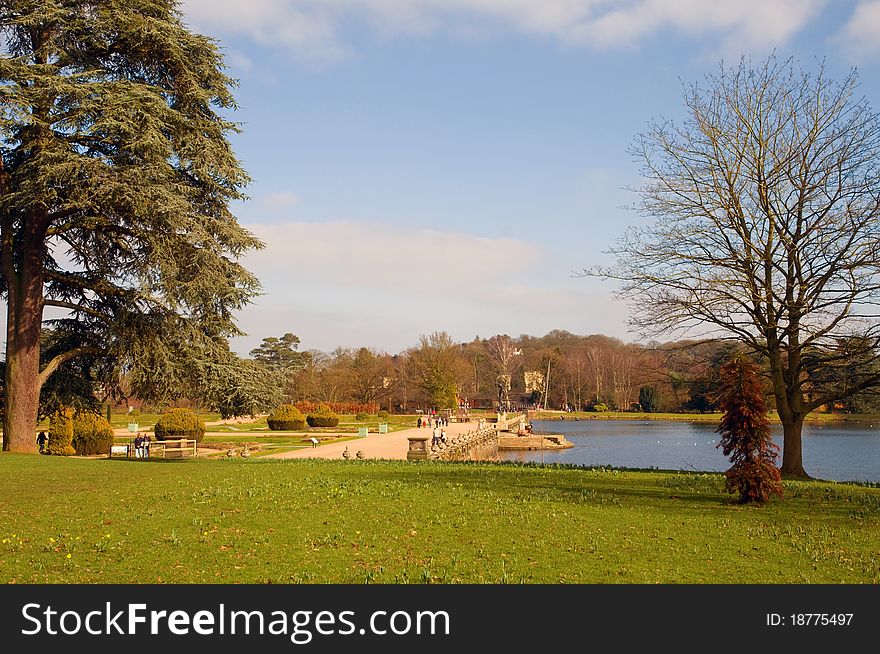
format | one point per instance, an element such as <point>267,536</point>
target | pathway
<point>393,445</point>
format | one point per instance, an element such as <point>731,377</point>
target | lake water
<point>839,451</point>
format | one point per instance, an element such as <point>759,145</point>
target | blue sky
<point>425,165</point>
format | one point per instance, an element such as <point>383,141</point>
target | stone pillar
<point>418,448</point>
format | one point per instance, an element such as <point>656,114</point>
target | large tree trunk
<point>24,313</point>
<point>792,454</point>
<point>790,407</point>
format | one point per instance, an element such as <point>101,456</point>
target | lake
<point>838,451</point>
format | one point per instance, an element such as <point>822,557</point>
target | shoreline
<point>699,417</point>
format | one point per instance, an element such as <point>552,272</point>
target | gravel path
<point>393,445</point>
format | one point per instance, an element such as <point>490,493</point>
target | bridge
<point>480,443</point>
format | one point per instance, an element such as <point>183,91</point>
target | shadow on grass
<point>151,460</point>
<point>670,491</point>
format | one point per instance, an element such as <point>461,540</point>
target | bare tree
<point>503,353</point>
<point>597,362</point>
<point>623,361</point>
<point>370,376</point>
<point>766,202</point>
<point>576,363</point>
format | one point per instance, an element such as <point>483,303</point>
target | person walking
<point>138,446</point>
<point>41,441</point>
<point>145,446</point>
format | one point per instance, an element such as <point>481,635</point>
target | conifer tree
<point>116,175</point>
<point>745,434</point>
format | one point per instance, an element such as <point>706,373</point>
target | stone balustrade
<point>479,443</point>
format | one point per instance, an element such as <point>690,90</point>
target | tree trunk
<point>792,454</point>
<point>24,313</point>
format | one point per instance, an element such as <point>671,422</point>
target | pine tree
<point>745,434</point>
<point>116,176</point>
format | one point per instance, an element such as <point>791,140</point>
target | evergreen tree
<point>648,399</point>
<point>280,353</point>
<point>745,434</point>
<point>115,179</point>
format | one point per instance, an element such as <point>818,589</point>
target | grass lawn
<point>118,420</point>
<point>79,520</point>
<point>346,423</point>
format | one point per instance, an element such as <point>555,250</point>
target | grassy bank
<point>692,417</point>
<point>74,520</point>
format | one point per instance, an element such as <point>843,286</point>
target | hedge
<point>92,434</point>
<point>322,416</point>
<point>286,417</point>
<point>180,423</point>
<point>61,433</point>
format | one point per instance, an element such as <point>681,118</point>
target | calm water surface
<point>840,451</point>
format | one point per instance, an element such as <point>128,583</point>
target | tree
<point>766,203</point>
<point>503,353</point>
<point>648,399</point>
<point>239,387</point>
<point>745,434</point>
<point>280,353</point>
<point>436,369</point>
<point>623,361</point>
<point>371,376</point>
<point>115,180</point>
<point>575,365</point>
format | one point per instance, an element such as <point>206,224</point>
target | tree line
<point>557,371</point>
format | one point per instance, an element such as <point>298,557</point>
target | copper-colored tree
<point>745,434</point>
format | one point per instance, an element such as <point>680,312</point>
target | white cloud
<point>861,35</point>
<point>238,61</point>
<point>312,28</point>
<point>347,283</point>
<point>377,256</point>
<point>280,201</point>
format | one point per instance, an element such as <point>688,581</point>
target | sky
<point>425,165</point>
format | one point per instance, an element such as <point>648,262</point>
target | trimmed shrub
<point>180,423</point>
<point>92,434</point>
<point>61,433</point>
<point>599,407</point>
<point>384,415</point>
<point>362,416</point>
<point>286,417</point>
<point>323,416</point>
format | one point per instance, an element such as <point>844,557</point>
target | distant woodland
<point>557,371</point>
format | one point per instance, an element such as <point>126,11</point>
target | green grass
<point>76,520</point>
<point>118,420</point>
<point>347,423</point>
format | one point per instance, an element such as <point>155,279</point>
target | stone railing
<point>511,421</point>
<point>480,443</point>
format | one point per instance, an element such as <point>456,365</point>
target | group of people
<point>439,435</point>
<point>433,421</point>
<point>142,446</point>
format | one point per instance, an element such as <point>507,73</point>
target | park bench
<point>179,448</point>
